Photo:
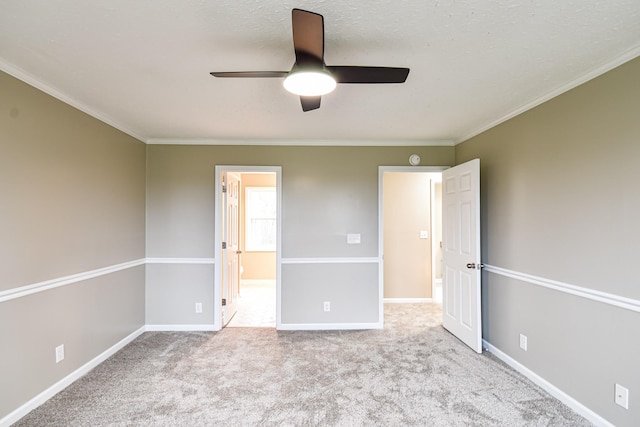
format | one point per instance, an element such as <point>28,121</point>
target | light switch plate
<point>424,234</point>
<point>523,342</point>
<point>622,396</point>
<point>60,353</point>
<point>353,239</point>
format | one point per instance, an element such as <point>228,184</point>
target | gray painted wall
<point>73,191</point>
<point>351,289</point>
<point>560,200</point>
<point>327,192</point>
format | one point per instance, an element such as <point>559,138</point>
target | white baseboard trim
<point>179,328</point>
<point>548,387</point>
<point>328,326</point>
<point>47,394</point>
<point>406,300</point>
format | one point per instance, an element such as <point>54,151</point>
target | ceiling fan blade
<point>310,102</point>
<point>355,74</point>
<point>308,37</point>
<point>249,74</point>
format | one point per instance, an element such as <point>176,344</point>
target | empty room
<point>319,213</point>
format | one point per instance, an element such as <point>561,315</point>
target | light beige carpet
<point>411,373</point>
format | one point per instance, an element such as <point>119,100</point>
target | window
<point>260,214</point>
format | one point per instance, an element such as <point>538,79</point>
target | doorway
<point>411,234</point>
<point>461,260</point>
<point>247,293</point>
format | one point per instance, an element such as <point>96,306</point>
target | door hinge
<point>224,245</point>
<point>224,302</point>
<point>224,188</point>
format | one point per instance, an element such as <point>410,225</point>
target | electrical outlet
<point>327,306</point>
<point>60,353</point>
<point>198,307</point>
<point>523,342</point>
<point>622,396</point>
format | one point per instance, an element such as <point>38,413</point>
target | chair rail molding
<point>46,285</point>
<point>592,294</point>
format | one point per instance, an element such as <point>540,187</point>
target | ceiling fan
<point>310,77</point>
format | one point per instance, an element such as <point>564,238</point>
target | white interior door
<point>231,246</point>
<point>462,310</point>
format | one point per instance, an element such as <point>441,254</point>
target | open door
<point>230,246</point>
<point>462,310</point>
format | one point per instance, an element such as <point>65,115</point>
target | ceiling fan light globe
<point>309,83</point>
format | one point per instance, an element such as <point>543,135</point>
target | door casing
<point>218,265</point>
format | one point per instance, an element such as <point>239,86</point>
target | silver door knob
<point>474,266</point>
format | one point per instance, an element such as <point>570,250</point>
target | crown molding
<point>50,90</point>
<point>22,75</point>
<point>302,142</point>
<point>626,56</point>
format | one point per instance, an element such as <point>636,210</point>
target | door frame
<point>434,245</point>
<point>218,233</point>
<point>381,171</point>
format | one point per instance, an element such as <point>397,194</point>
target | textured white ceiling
<point>143,66</point>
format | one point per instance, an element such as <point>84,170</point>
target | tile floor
<point>256,306</point>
